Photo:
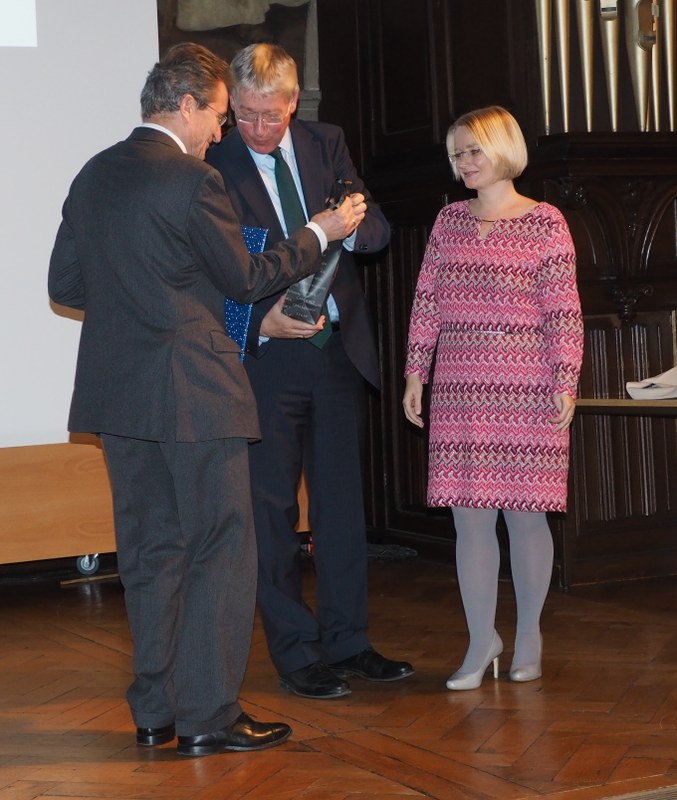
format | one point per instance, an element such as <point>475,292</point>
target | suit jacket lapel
<point>242,170</point>
<point>308,159</point>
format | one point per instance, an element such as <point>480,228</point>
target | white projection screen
<point>72,72</point>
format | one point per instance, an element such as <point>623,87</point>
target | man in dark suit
<point>148,247</point>
<point>311,399</point>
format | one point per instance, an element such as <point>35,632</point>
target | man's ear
<point>294,102</point>
<point>187,106</point>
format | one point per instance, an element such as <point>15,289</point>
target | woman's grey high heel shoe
<point>528,672</point>
<point>461,681</point>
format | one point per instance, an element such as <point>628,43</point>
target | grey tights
<point>477,563</point>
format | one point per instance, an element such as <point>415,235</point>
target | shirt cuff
<point>321,235</point>
<point>349,242</point>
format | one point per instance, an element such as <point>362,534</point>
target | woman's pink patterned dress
<point>503,315</point>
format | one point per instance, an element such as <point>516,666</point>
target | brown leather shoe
<point>243,734</point>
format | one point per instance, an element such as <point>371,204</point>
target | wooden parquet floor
<point>601,722</point>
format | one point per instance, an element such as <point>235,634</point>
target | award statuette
<point>305,299</point>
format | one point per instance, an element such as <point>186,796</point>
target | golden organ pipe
<point>669,30</point>
<point>544,24</point>
<point>656,68</point>
<point>608,15</point>
<point>563,36</point>
<point>585,19</point>
<point>639,40</point>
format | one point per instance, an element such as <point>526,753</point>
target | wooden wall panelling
<point>420,71</point>
<point>404,447</point>
<point>344,87</point>
<point>622,514</point>
<point>404,55</point>
<point>623,478</point>
<point>617,352</point>
<point>414,72</point>
<point>405,75</point>
<point>618,194</point>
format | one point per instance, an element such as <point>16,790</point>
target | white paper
<point>18,23</point>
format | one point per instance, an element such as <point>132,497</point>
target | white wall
<point>63,100</point>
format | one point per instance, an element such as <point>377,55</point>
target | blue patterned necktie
<point>295,218</point>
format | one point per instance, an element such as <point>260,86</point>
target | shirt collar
<point>161,128</point>
<point>266,161</point>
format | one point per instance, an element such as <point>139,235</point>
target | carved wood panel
<point>623,490</point>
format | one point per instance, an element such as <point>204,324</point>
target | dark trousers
<point>187,561</point>
<point>312,409</point>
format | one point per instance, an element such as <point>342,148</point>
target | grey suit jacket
<point>148,247</point>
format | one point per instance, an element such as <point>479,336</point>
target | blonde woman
<point>496,303</point>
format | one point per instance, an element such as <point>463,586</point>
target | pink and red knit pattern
<point>503,315</point>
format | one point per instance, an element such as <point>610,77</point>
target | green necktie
<point>295,218</point>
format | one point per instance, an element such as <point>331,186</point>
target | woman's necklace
<point>488,220</point>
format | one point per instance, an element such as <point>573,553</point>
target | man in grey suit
<point>148,247</point>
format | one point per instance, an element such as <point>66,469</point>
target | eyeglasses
<point>221,118</point>
<point>472,153</point>
<point>270,121</point>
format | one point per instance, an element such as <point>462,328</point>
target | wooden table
<point>644,408</point>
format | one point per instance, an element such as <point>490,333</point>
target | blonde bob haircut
<point>498,136</point>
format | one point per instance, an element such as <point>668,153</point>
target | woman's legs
<point>477,563</point>
<point>531,557</point>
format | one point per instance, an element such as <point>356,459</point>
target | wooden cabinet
<point>55,502</point>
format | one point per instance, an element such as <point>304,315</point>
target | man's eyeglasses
<point>472,153</point>
<point>266,122</point>
<point>270,121</point>
<point>221,118</point>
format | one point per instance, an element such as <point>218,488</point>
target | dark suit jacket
<point>148,247</point>
<point>322,157</point>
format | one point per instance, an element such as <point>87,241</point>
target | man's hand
<point>341,223</point>
<point>277,325</point>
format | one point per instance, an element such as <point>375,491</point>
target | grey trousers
<point>187,560</point>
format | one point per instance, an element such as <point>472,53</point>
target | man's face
<point>263,119</point>
<point>204,127</point>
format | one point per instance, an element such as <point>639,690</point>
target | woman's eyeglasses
<point>472,153</point>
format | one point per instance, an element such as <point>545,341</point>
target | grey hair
<point>186,68</point>
<point>264,69</point>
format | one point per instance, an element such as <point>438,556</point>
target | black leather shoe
<point>150,737</point>
<point>243,734</point>
<point>372,666</point>
<point>316,681</point>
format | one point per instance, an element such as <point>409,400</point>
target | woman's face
<point>473,166</point>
